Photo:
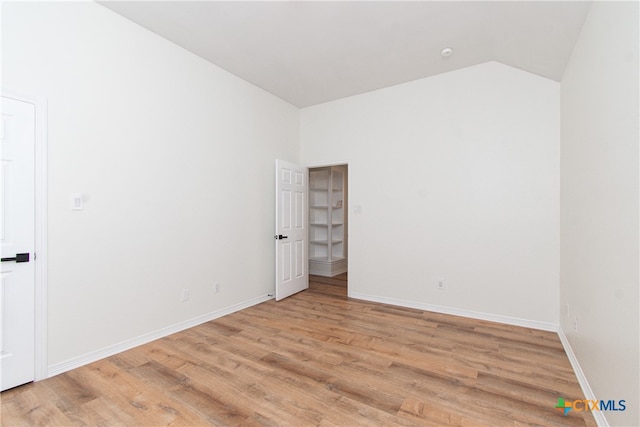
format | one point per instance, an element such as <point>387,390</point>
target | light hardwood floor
<point>317,358</point>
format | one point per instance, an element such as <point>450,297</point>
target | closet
<point>328,220</point>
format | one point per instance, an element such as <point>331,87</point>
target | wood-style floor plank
<point>317,359</point>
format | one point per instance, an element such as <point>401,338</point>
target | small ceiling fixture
<point>447,51</point>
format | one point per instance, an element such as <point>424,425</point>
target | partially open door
<point>291,229</point>
<point>17,243</point>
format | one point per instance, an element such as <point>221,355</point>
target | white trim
<point>533,324</point>
<point>41,335</point>
<point>582,378</point>
<point>93,356</point>
<point>41,213</point>
<point>324,164</point>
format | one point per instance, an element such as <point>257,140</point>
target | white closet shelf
<point>324,242</point>
<point>325,259</point>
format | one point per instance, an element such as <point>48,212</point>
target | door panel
<point>291,229</point>
<point>285,256</point>
<point>300,257</point>
<point>17,236</point>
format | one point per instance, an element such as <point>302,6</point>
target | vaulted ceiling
<point>310,52</point>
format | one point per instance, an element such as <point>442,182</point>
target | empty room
<point>453,188</point>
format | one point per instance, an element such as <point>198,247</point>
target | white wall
<point>457,177</point>
<point>599,208</point>
<point>176,159</point>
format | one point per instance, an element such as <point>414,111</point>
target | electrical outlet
<point>441,284</point>
<point>185,295</point>
<point>575,324</point>
<point>216,288</point>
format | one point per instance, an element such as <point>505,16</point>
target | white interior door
<point>291,229</point>
<point>17,238</point>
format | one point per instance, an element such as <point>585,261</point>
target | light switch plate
<point>77,202</point>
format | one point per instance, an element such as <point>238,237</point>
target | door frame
<point>348,207</point>
<point>41,370</point>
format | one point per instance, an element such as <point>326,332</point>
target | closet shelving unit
<point>327,221</point>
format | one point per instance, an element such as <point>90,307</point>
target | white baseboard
<point>93,356</point>
<point>582,379</point>
<point>533,324</point>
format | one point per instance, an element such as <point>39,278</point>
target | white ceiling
<point>309,52</point>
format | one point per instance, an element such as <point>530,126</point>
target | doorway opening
<point>328,228</point>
